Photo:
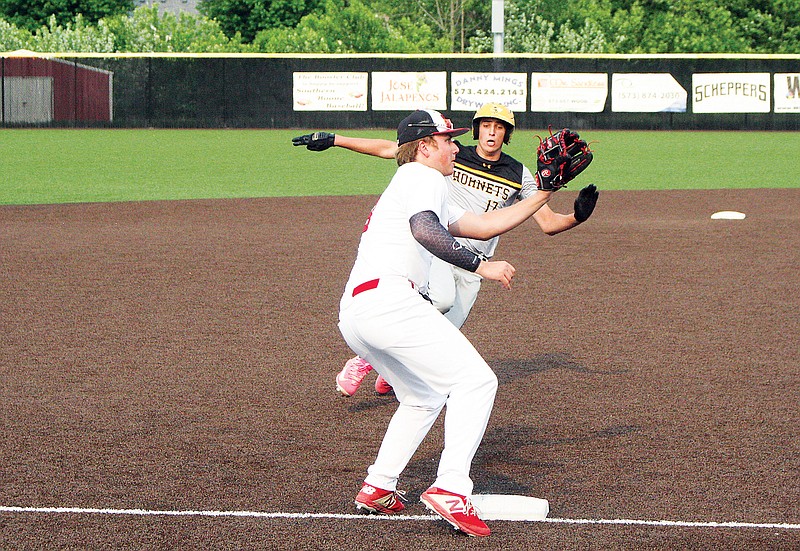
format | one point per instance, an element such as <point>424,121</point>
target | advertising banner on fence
<point>407,91</point>
<point>787,92</point>
<point>647,93</point>
<point>730,92</point>
<point>330,91</point>
<point>577,92</point>
<point>468,91</point>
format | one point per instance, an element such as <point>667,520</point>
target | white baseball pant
<point>453,290</point>
<point>430,365</point>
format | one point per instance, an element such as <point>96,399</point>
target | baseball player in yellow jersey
<point>484,179</point>
<point>385,320</point>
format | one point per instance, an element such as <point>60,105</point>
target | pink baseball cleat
<point>352,374</point>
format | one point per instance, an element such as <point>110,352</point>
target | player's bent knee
<point>442,303</point>
<point>493,383</point>
<point>487,382</point>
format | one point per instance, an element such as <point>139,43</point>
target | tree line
<point>400,26</point>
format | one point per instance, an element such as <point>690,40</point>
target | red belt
<point>371,284</point>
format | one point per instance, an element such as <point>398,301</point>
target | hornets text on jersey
<point>479,185</point>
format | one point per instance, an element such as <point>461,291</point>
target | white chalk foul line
<point>680,523</point>
<point>190,513</point>
<point>258,514</point>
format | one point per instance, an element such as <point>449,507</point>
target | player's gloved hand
<point>560,157</point>
<point>550,173</point>
<point>585,202</point>
<point>318,141</point>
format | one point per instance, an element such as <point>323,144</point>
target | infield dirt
<point>181,356</point>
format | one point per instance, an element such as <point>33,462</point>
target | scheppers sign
<point>731,93</point>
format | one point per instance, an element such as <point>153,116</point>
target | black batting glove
<point>318,141</point>
<point>585,202</point>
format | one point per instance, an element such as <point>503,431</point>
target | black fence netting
<point>257,91</point>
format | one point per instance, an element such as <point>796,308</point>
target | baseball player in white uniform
<point>385,319</point>
<point>484,179</point>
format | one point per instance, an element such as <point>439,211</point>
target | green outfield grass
<point>67,166</point>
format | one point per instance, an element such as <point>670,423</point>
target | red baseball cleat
<point>376,500</point>
<point>381,386</point>
<point>455,509</point>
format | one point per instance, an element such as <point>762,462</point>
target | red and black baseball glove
<point>560,158</point>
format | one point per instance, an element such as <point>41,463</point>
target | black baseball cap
<point>423,123</point>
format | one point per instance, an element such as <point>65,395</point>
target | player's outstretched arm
<point>320,141</point>
<point>429,232</point>
<point>554,222</point>
<point>368,146</point>
<point>491,224</point>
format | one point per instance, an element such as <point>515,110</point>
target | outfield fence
<point>670,92</point>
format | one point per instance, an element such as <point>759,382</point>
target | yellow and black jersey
<point>479,185</point>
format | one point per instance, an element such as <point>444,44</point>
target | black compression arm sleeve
<point>429,232</point>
